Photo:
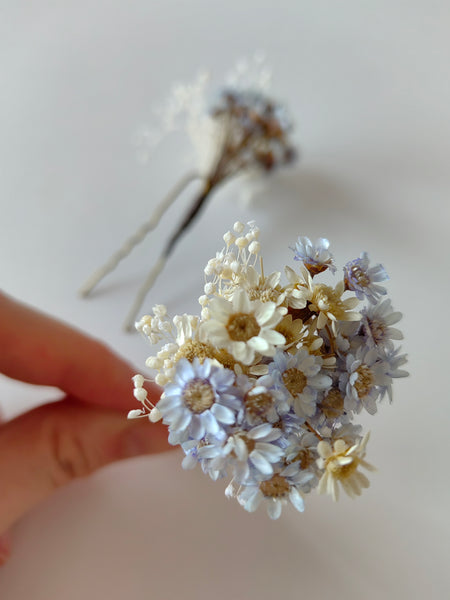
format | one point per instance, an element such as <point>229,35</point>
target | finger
<point>44,351</point>
<point>56,443</point>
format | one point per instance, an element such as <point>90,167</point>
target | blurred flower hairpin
<point>245,132</point>
<point>264,386</point>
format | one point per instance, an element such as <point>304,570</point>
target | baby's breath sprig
<point>264,386</point>
<point>245,131</point>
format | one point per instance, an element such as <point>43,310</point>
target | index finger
<point>41,350</point>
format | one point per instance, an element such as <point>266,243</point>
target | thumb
<point>56,443</point>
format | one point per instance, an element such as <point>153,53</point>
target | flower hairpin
<point>264,386</point>
<point>244,132</point>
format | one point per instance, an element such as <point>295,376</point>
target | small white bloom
<point>243,327</point>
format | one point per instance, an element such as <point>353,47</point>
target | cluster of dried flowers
<point>243,132</point>
<point>263,387</point>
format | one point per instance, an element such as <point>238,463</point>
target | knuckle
<point>69,458</point>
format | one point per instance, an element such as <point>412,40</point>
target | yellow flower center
<point>242,327</point>
<point>192,349</point>
<point>342,471</point>
<point>294,380</point>
<point>198,395</point>
<point>276,487</point>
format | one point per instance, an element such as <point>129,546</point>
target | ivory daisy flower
<point>243,327</point>
<point>327,302</point>
<point>340,464</point>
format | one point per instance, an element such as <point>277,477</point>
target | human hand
<point>51,445</point>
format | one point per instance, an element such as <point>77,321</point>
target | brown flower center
<point>258,405</point>
<point>242,327</point>
<point>198,395</point>
<point>306,458</point>
<point>364,383</point>
<point>333,404</point>
<point>377,329</point>
<point>294,380</point>
<point>276,487</point>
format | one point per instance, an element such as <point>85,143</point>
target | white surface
<point>368,84</point>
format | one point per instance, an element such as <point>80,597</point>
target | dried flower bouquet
<point>264,386</point>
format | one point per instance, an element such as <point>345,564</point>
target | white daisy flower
<point>243,327</point>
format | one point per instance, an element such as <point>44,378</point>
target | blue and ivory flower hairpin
<point>264,386</point>
<point>244,132</point>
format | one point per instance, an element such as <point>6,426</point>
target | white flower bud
<point>238,227</point>
<point>135,414</point>
<point>138,380</point>
<point>241,242</point>
<point>160,310</point>
<point>228,238</point>
<point>203,300</point>
<point>140,394</point>
<point>254,248</point>
<point>209,288</point>
<point>153,362</point>
<point>205,314</point>
<point>161,379</point>
<point>155,415</point>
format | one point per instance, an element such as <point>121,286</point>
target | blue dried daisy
<point>279,489</point>
<point>362,280</point>
<point>201,401</point>
<point>299,376</point>
<point>316,257</point>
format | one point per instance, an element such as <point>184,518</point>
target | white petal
<point>253,502</point>
<point>197,429</point>
<point>263,312</point>
<point>274,509</point>
<point>259,344</point>
<point>273,337</point>
<point>260,431</point>
<point>210,423</point>
<point>297,500</point>
<point>223,414</point>
<point>270,451</point>
<point>261,463</point>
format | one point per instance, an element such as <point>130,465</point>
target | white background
<point>369,88</point>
